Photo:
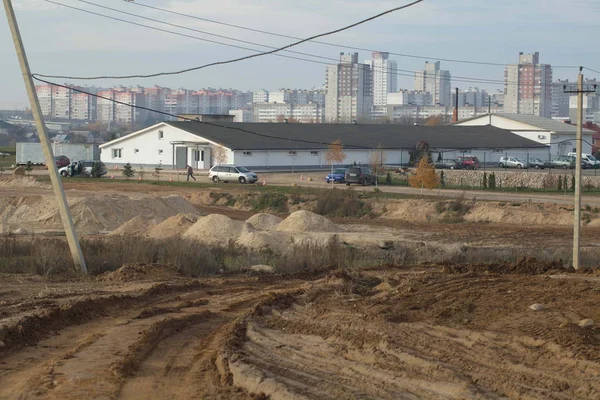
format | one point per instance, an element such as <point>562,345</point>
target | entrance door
<point>181,157</point>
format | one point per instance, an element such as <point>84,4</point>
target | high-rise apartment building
<point>384,77</point>
<point>472,97</point>
<point>349,90</point>
<point>528,87</point>
<point>64,103</point>
<point>435,81</point>
<point>261,96</point>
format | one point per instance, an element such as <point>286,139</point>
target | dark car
<point>537,163</point>
<point>448,164</point>
<point>359,175</point>
<point>469,162</point>
<point>338,176</point>
<point>62,161</point>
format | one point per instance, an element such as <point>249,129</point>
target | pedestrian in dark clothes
<point>190,173</point>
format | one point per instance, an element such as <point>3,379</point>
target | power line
<point>255,55</point>
<point>592,70</point>
<point>327,43</point>
<point>390,71</point>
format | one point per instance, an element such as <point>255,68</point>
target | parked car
<point>587,160</point>
<point>469,162</point>
<point>511,162</point>
<point>449,163</point>
<point>84,168</point>
<point>360,175</point>
<point>563,162</point>
<point>62,161</point>
<point>537,163</point>
<point>232,173</point>
<point>338,175</point>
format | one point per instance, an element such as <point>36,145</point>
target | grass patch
<point>275,202</point>
<point>342,203</point>
<point>222,198</point>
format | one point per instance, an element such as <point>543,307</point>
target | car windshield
<point>242,169</point>
<point>592,158</point>
<point>339,171</point>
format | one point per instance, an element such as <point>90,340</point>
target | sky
<point>63,41</point>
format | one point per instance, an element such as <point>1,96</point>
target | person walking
<point>190,173</point>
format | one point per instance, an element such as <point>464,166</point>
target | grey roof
<point>265,136</point>
<point>541,123</point>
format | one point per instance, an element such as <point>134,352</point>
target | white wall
<point>142,148</point>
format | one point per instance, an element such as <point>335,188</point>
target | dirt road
<point>429,332</point>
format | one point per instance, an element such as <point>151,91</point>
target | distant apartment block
<point>411,112</point>
<point>262,96</point>
<point>241,115</point>
<point>349,90</point>
<point>410,97</point>
<point>435,81</point>
<point>63,103</point>
<point>279,112</point>
<point>528,87</point>
<point>472,97</point>
<point>384,77</point>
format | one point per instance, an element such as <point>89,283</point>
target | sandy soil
<point>428,332</point>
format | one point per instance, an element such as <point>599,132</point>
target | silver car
<point>232,173</point>
<point>511,162</point>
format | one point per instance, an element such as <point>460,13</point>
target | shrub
<point>275,202</point>
<point>96,170</point>
<point>339,203</point>
<point>485,180</point>
<point>492,181</point>
<point>388,178</point>
<point>560,183</point>
<point>572,183</point>
<point>128,171</point>
<point>29,167</point>
<point>218,196</point>
<point>453,211</point>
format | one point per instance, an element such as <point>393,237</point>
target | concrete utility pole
<point>55,179</point>
<point>578,149</point>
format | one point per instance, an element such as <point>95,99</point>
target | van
<point>587,160</point>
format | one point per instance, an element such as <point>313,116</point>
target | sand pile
<point>214,229</point>
<point>516,213</point>
<point>306,221</point>
<point>92,214</point>
<point>23,181</point>
<point>411,210</point>
<point>134,227</point>
<point>172,227</point>
<point>139,272</point>
<point>264,222</point>
<point>277,242</point>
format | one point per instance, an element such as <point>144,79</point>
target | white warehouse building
<point>282,146</point>
<point>558,136</point>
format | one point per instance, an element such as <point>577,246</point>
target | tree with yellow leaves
<point>425,176</point>
<point>335,154</point>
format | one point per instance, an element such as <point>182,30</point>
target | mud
<point>433,331</point>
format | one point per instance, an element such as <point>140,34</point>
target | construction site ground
<point>520,329</point>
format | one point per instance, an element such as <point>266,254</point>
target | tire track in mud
<point>149,344</point>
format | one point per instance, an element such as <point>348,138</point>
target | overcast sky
<point>68,42</point>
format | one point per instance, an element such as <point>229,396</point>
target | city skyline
<point>91,53</point>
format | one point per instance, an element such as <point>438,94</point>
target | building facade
<point>349,90</point>
<point>435,81</point>
<point>384,77</point>
<point>528,87</point>
<point>311,113</point>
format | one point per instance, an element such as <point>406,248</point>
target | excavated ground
<point>438,331</point>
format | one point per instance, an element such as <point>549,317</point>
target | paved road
<point>286,179</point>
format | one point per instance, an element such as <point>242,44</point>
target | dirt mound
<point>141,272</point>
<point>91,214</point>
<point>516,213</point>
<point>306,221</point>
<point>134,227</point>
<point>278,242</point>
<point>410,210</point>
<point>19,180</point>
<point>523,266</point>
<point>172,227</point>
<point>214,229</point>
<point>264,222</point>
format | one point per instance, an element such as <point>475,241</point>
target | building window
<point>160,151</point>
<point>314,153</point>
<point>247,153</point>
<point>136,151</point>
<point>292,153</point>
<point>161,135</point>
<point>116,153</point>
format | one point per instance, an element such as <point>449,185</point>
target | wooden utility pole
<point>55,179</point>
<point>578,149</point>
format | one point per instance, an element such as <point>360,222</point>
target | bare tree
<point>335,154</point>
<point>376,162</point>
<point>219,156</point>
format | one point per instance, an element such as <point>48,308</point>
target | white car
<point>511,162</point>
<point>232,173</point>
<point>587,160</point>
